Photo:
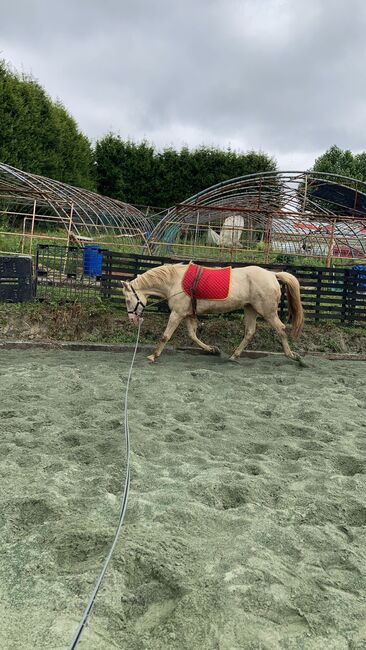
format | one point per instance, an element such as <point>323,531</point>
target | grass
<point>12,243</point>
<point>106,323</point>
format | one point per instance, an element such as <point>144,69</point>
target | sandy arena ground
<point>246,525</point>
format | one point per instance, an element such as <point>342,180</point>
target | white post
<point>32,229</point>
<point>23,237</point>
<point>305,193</point>
<point>196,231</point>
<point>68,237</point>
<point>70,225</point>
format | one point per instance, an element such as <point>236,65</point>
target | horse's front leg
<point>173,322</point>
<point>191,323</point>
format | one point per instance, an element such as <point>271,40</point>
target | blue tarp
<point>361,272</point>
<point>351,201</point>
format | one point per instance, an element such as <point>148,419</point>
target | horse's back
<point>259,286</point>
<point>257,273</point>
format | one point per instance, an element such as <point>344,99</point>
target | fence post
<point>330,246</point>
<point>35,273</point>
<point>344,307</point>
<point>136,265</point>
<point>105,282</point>
<point>282,302</point>
<point>23,235</point>
<point>267,240</point>
<point>318,295</point>
<point>351,295</point>
<point>70,224</point>
<point>110,274</point>
<point>283,299</point>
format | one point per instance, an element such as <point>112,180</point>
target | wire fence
<point>88,274</point>
<point>68,274</point>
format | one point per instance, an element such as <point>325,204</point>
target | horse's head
<point>135,303</point>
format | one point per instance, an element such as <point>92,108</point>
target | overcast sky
<point>283,76</point>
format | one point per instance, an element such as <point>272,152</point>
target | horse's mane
<point>163,274</point>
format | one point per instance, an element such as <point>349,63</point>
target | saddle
<point>205,283</point>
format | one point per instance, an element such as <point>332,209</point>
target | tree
<point>126,170</point>
<point>338,161</point>
<point>38,135</point>
<point>136,173</point>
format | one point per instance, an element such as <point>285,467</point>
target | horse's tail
<point>295,309</point>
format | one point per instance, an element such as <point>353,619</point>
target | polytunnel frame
<point>77,210</point>
<point>281,196</point>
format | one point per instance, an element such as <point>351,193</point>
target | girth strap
<point>194,290</point>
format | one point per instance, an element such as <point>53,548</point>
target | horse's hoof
<point>215,350</point>
<point>301,362</point>
<point>234,359</point>
<point>151,358</point>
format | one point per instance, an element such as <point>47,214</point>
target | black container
<point>16,278</point>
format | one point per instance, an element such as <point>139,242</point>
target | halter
<point>139,303</point>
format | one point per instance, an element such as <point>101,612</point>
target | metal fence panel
<point>64,274</point>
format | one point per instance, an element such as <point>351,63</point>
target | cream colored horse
<point>252,288</point>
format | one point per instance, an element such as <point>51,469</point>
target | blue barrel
<point>92,261</point>
<point>361,273</point>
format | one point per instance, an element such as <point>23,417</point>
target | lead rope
<point>122,511</point>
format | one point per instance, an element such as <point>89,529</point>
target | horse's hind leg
<point>250,323</point>
<point>191,323</point>
<point>280,328</point>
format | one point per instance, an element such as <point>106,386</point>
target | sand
<point>246,525</point>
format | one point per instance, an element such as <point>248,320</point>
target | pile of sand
<point>247,515</point>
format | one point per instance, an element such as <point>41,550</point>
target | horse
<point>255,290</point>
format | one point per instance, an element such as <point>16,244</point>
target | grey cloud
<point>281,76</point>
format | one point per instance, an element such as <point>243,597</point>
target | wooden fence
<point>337,294</point>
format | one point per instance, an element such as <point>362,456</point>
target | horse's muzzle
<point>135,319</point>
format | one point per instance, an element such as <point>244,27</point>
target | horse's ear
<point>125,284</point>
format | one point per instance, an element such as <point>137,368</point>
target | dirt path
<point>246,524</point>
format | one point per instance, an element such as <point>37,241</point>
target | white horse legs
<point>173,322</point>
<point>280,328</point>
<point>191,323</point>
<point>250,323</point>
<point>250,327</point>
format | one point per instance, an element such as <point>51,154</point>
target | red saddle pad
<point>214,284</point>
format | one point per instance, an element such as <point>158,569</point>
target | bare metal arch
<point>290,213</point>
<point>77,210</point>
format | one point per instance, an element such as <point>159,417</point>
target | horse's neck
<point>151,285</point>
